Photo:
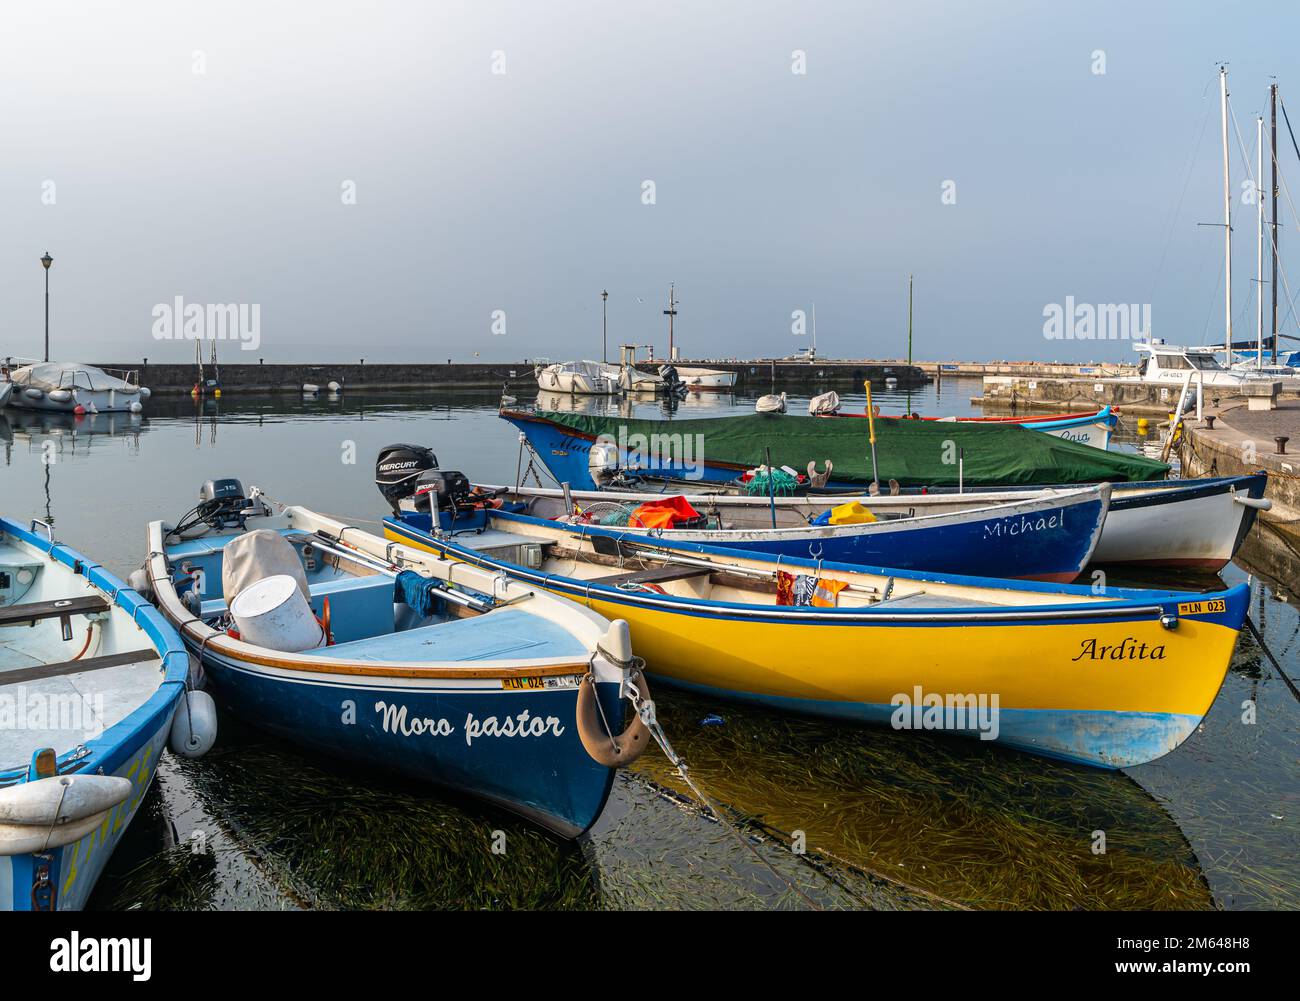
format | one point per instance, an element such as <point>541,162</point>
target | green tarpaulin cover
<point>915,453</point>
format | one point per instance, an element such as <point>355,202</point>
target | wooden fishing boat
<point>1108,679</point>
<point>914,453</point>
<point>1196,524</point>
<point>398,660</point>
<point>1050,536</point>
<point>92,685</point>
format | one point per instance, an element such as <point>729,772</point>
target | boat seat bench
<point>26,674</point>
<point>35,610</point>
<point>655,575</point>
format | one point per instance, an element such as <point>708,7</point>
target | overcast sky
<point>163,149</point>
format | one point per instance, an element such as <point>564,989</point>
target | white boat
<point>588,378</point>
<point>1168,365</point>
<point>74,387</point>
<point>706,378</point>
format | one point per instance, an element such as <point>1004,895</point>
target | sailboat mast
<point>909,320</point>
<point>1259,241</point>
<point>1274,230</point>
<point>814,330</point>
<point>1227,221</point>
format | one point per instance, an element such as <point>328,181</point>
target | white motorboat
<point>74,387</point>
<point>706,378</point>
<point>588,378</point>
<point>1168,365</point>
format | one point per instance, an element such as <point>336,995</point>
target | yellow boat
<point>1108,679</point>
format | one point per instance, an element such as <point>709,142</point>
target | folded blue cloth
<point>421,593</point>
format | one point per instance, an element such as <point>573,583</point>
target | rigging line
<point>1173,222</point>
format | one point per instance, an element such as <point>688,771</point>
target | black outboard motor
<point>442,490</point>
<point>398,468</point>
<point>673,384</point>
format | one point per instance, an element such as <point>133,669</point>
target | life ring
<point>604,748</point>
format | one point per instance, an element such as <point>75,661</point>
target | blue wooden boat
<point>92,685</point>
<point>1196,524</point>
<point>1049,537</point>
<point>414,664</point>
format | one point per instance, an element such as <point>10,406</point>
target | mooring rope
<point>1259,638</point>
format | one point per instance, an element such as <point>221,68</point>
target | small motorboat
<point>1195,524</point>
<point>706,378</point>
<point>1110,678</point>
<point>331,638</point>
<point>584,378</point>
<point>93,683</point>
<point>74,387</point>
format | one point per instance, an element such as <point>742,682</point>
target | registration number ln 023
<point>1202,607</point>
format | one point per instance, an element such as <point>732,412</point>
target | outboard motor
<point>442,490</point>
<point>602,462</point>
<point>398,468</point>
<point>223,504</point>
<point>673,384</point>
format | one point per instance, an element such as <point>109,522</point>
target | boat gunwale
<point>1134,605</point>
<point>197,634</point>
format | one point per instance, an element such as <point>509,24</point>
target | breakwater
<point>758,375</point>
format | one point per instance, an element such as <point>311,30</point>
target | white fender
<point>60,395</point>
<point>56,811</point>
<point>135,406</point>
<point>32,393</point>
<point>144,393</point>
<point>194,727</point>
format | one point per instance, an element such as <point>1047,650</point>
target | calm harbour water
<point>891,821</point>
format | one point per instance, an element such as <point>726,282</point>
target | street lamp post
<point>604,327</point>
<point>47,260</point>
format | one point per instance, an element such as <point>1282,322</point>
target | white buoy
<point>273,613</point>
<point>333,387</point>
<point>56,811</point>
<point>194,727</point>
<point>310,387</point>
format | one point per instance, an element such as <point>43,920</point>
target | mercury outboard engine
<point>442,490</point>
<point>398,468</point>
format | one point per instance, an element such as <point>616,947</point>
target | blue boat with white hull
<point>402,661</point>
<point>92,686</point>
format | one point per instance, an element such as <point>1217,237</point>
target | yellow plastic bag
<point>852,513</point>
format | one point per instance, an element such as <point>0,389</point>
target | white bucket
<point>273,613</point>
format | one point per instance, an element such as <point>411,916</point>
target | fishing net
<point>783,483</point>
